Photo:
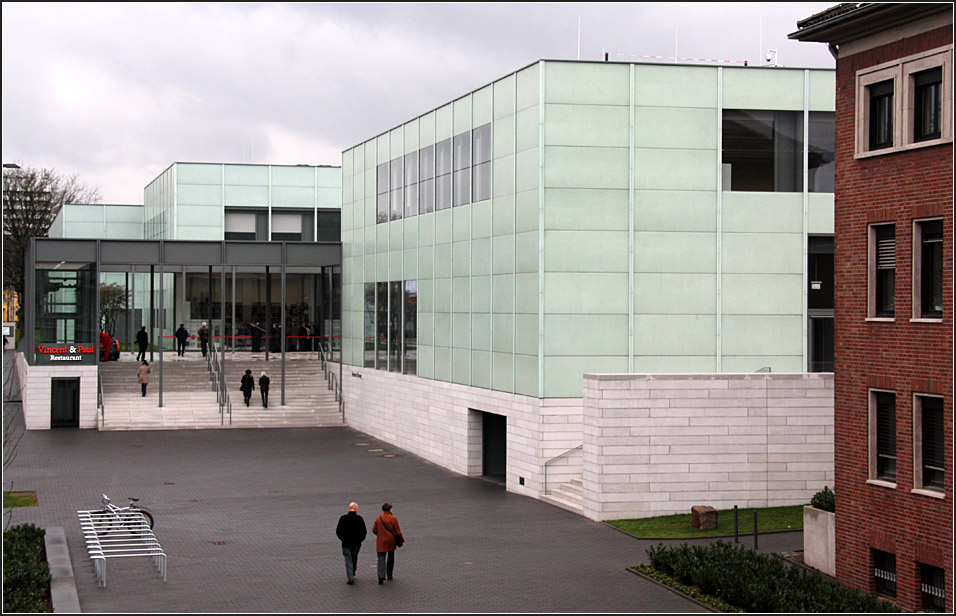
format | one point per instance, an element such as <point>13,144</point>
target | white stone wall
<point>36,392</point>
<point>660,444</point>
<point>434,420</point>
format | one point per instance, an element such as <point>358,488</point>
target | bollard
<point>755,530</point>
<point>735,525</point>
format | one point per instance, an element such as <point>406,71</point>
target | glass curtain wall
<point>65,302</point>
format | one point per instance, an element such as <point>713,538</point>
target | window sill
<point>881,483</point>
<point>880,319</point>
<point>921,320</point>
<point>916,145</point>
<point>930,493</point>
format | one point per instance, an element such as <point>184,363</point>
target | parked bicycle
<point>113,517</point>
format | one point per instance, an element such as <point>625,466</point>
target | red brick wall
<point>902,356</point>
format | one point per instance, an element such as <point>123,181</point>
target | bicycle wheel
<point>104,519</point>
<point>147,515</point>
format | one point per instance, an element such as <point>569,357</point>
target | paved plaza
<point>247,518</point>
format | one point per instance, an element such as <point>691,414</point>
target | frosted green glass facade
<point>99,221</point>
<point>191,201</point>
<point>611,241</point>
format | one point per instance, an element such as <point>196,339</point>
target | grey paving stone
<point>247,518</point>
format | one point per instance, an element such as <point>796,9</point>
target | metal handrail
<point>335,384</point>
<point>217,374</point>
<point>561,455</point>
<point>99,395</point>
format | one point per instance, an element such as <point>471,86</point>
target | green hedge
<point>824,500</point>
<point>26,575</point>
<point>758,582</point>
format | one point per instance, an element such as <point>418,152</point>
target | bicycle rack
<point>119,535</point>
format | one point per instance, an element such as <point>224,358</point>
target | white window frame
<point>918,487</point>
<point>901,72</point>
<point>871,440</point>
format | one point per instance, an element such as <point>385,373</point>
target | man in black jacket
<point>142,341</point>
<point>351,532</point>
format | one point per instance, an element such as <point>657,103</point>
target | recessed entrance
<point>65,403</point>
<point>493,447</point>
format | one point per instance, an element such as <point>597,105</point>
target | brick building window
<point>932,588</point>
<point>928,269</point>
<point>900,105</point>
<point>883,436</point>
<point>882,278</point>
<point>884,573</point>
<point>880,121</point>
<point>928,448</point>
<point>928,104</point>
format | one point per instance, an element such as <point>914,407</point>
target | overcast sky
<point>117,92</point>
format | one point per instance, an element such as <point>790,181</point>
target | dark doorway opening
<point>493,447</point>
<point>65,403</point>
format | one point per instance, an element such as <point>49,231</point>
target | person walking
<point>256,332</point>
<point>264,389</point>
<point>142,341</point>
<point>247,386</point>
<point>181,336</point>
<point>204,338</point>
<point>142,375</point>
<point>388,537</point>
<point>351,532</point>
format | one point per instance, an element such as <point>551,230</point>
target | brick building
<point>893,238</point>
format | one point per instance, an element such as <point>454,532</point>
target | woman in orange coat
<point>389,536</point>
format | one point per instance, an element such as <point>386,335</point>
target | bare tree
<point>31,200</point>
<point>113,301</point>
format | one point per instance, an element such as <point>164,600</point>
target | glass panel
<point>65,300</point>
<point>929,104</point>
<point>381,336</point>
<point>482,182</point>
<point>821,152</point>
<point>885,435</point>
<point>426,174</point>
<point>934,472</point>
<point>443,175</point>
<point>482,143</point>
<point>368,346</point>
<point>931,269</point>
<point>395,327</point>
<point>820,272</point>
<point>426,193</point>
<point>395,190</point>
<point>463,187</point>
<point>881,115</point>
<point>382,193</point>
<point>328,225</point>
<point>410,341</point>
<point>763,151</point>
<point>821,349</point>
<point>411,184</point>
<point>885,271</point>
<point>462,162</point>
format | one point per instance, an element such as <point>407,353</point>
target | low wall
<point>36,392</point>
<point>659,444</point>
<point>441,422</point>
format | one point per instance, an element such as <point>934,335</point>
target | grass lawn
<point>679,527</point>
<point>19,499</point>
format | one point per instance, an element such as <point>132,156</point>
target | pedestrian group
<point>351,532</point>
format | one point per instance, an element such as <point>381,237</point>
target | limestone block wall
<point>36,392</point>
<point>441,422</point>
<point>657,444</point>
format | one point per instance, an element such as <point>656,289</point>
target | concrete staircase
<point>308,401</point>
<point>189,401</point>
<point>568,496</point>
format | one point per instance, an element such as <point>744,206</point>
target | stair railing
<point>217,375</point>
<point>335,384</point>
<point>555,458</point>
